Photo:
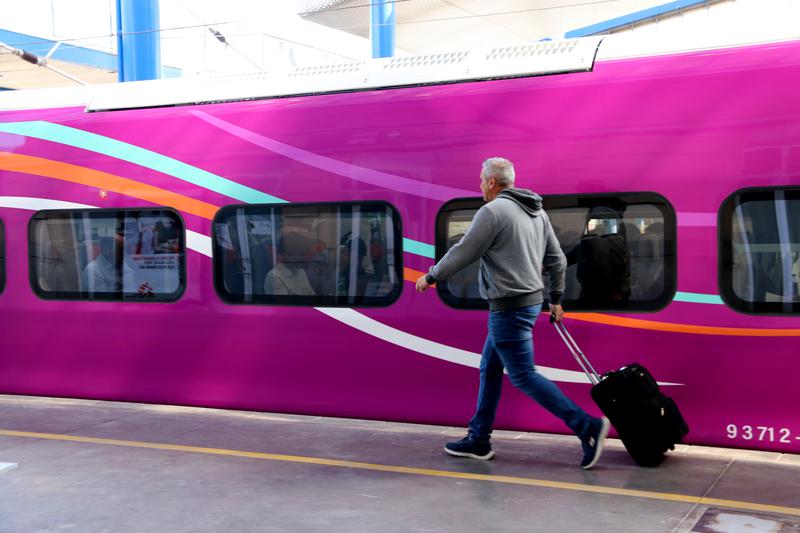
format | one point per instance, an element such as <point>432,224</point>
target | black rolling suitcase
<point>648,421</point>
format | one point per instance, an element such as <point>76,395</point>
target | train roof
<point>538,59</point>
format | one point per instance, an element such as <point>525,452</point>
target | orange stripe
<point>103,180</point>
<point>412,275</point>
<point>635,323</point>
<point>652,325</point>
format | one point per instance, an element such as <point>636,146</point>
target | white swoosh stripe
<point>194,241</point>
<point>400,338</point>
<point>202,244</point>
<point>198,242</point>
<point>37,204</point>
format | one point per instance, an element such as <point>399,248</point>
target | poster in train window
<point>619,251</point>
<point>134,254</point>
<point>347,254</point>
<point>759,254</point>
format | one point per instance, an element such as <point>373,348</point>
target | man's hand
<point>556,313</point>
<point>422,285</point>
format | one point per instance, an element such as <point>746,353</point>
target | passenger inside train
<point>288,276</point>
<point>106,263</point>
<point>603,260</point>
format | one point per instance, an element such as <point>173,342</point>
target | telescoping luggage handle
<point>576,352</point>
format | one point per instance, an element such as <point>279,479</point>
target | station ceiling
<point>422,26</point>
<point>426,25</point>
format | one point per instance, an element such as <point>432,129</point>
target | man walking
<point>513,237</point>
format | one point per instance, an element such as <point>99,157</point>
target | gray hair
<point>501,170</point>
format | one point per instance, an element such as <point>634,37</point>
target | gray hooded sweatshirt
<point>515,242</point>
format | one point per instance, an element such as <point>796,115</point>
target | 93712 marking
<point>760,433</point>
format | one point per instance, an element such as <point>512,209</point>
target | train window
<point>759,251</point>
<point>104,254</point>
<point>452,222</point>
<point>343,254</point>
<point>2,257</point>
<point>620,251</point>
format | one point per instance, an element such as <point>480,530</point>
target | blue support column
<point>138,40</point>
<point>645,15</point>
<point>381,27</point>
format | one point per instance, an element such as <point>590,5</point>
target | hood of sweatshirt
<point>527,200</point>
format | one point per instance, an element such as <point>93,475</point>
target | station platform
<point>93,466</point>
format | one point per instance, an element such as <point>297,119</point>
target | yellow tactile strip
<point>559,485</point>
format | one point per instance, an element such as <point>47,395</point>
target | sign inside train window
<point>132,254</point>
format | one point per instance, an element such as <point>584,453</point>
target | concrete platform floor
<point>88,466</point>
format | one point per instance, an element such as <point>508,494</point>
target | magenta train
<point>260,254</point>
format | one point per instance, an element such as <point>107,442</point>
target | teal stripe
<point>698,298</point>
<point>140,156</point>
<point>92,142</point>
<point>166,165</point>
<point>419,248</point>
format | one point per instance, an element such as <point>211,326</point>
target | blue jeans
<point>509,344</point>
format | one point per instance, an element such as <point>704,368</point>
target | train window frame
<point>557,201</point>
<point>725,257</point>
<point>306,300</point>
<point>440,245</point>
<point>116,297</point>
<point>2,256</point>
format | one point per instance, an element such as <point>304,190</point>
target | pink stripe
<point>697,219</point>
<point>373,177</point>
